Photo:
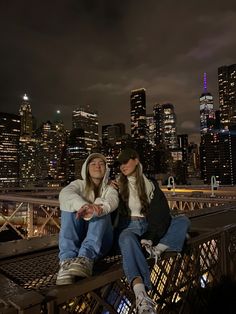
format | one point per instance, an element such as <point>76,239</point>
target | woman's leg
<point>176,233</point>
<point>71,235</point>
<point>99,238</point>
<point>134,261</point>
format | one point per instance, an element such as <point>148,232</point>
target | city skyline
<point>67,54</point>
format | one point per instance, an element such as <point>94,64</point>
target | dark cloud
<point>68,53</point>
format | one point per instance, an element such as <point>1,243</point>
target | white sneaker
<point>81,267</point>
<point>64,277</point>
<point>144,304</point>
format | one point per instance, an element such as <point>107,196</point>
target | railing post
<point>30,220</point>
<point>223,254</point>
<point>231,251</point>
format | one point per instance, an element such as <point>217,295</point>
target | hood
<point>89,158</point>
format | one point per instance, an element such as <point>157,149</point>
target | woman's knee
<point>126,237</point>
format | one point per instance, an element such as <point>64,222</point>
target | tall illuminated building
<point>207,114</point>
<point>169,126</point>
<point>158,117</point>
<point>227,152</point>
<point>139,126</point>
<point>87,120</point>
<point>183,146</point>
<point>165,137</point>
<point>51,139</point>
<point>209,146</point>
<point>165,119</point>
<point>27,161</point>
<point>209,156</point>
<point>9,149</point>
<point>76,154</point>
<point>138,113</point>
<point>151,129</point>
<point>227,95</point>
<point>26,117</point>
<point>27,145</point>
<point>227,147</point>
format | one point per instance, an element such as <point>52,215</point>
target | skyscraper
<point>51,139</point>
<point>87,120</point>
<point>138,113</point>
<point>26,117</point>
<point>76,154</point>
<point>9,149</point>
<point>27,161</point>
<point>151,129</point>
<point>227,95</point>
<point>169,126</point>
<point>209,156</point>
<point>183,146</point>
<point>27,145</point>
<point>207,115</point>
<point>112,133</point>
<point>165,119</point>
<point>227,152</point>
<point>209,146</point>
<point>158,117</point>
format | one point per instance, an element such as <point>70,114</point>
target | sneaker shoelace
<point>65,264</point>
<point>84,261</point>
<point>63,267</point>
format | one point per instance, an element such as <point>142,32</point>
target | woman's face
<point>128,168</point>
<point>97,169</point>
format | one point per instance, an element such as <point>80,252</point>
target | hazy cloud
<point>67,53</point>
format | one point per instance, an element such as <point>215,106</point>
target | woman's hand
<point>88,211</point>
<point>114,184</point>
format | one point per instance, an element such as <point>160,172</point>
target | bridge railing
<point>28,217</point>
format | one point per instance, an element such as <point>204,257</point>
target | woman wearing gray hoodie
<point>86,231</point>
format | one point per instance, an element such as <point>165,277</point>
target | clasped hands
<point>88,211</point>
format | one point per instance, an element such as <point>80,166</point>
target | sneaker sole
<point>78,272</point>
<point>68,281</point>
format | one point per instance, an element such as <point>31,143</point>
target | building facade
<point>169,126</point>
<point>26,118</point>
<point>87,120</point>
<point>9,149</point>
<point>227,95</point>
<point>138,113</point>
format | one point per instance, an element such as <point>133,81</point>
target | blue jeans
<point>134,261</point>
<point>77,237</point>
<point>176,233</point>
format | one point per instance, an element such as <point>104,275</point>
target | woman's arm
<point>70,197</point>
<point>158,217</point>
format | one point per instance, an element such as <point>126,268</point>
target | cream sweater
<point>134,201</point>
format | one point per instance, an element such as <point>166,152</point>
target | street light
<point>214,185</point>
<point>171,184</point>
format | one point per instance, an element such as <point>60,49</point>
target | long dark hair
<point>141,189</point>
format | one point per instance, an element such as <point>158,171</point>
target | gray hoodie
<point>72,197</point>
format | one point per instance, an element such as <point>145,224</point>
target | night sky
<point>68,53</point>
